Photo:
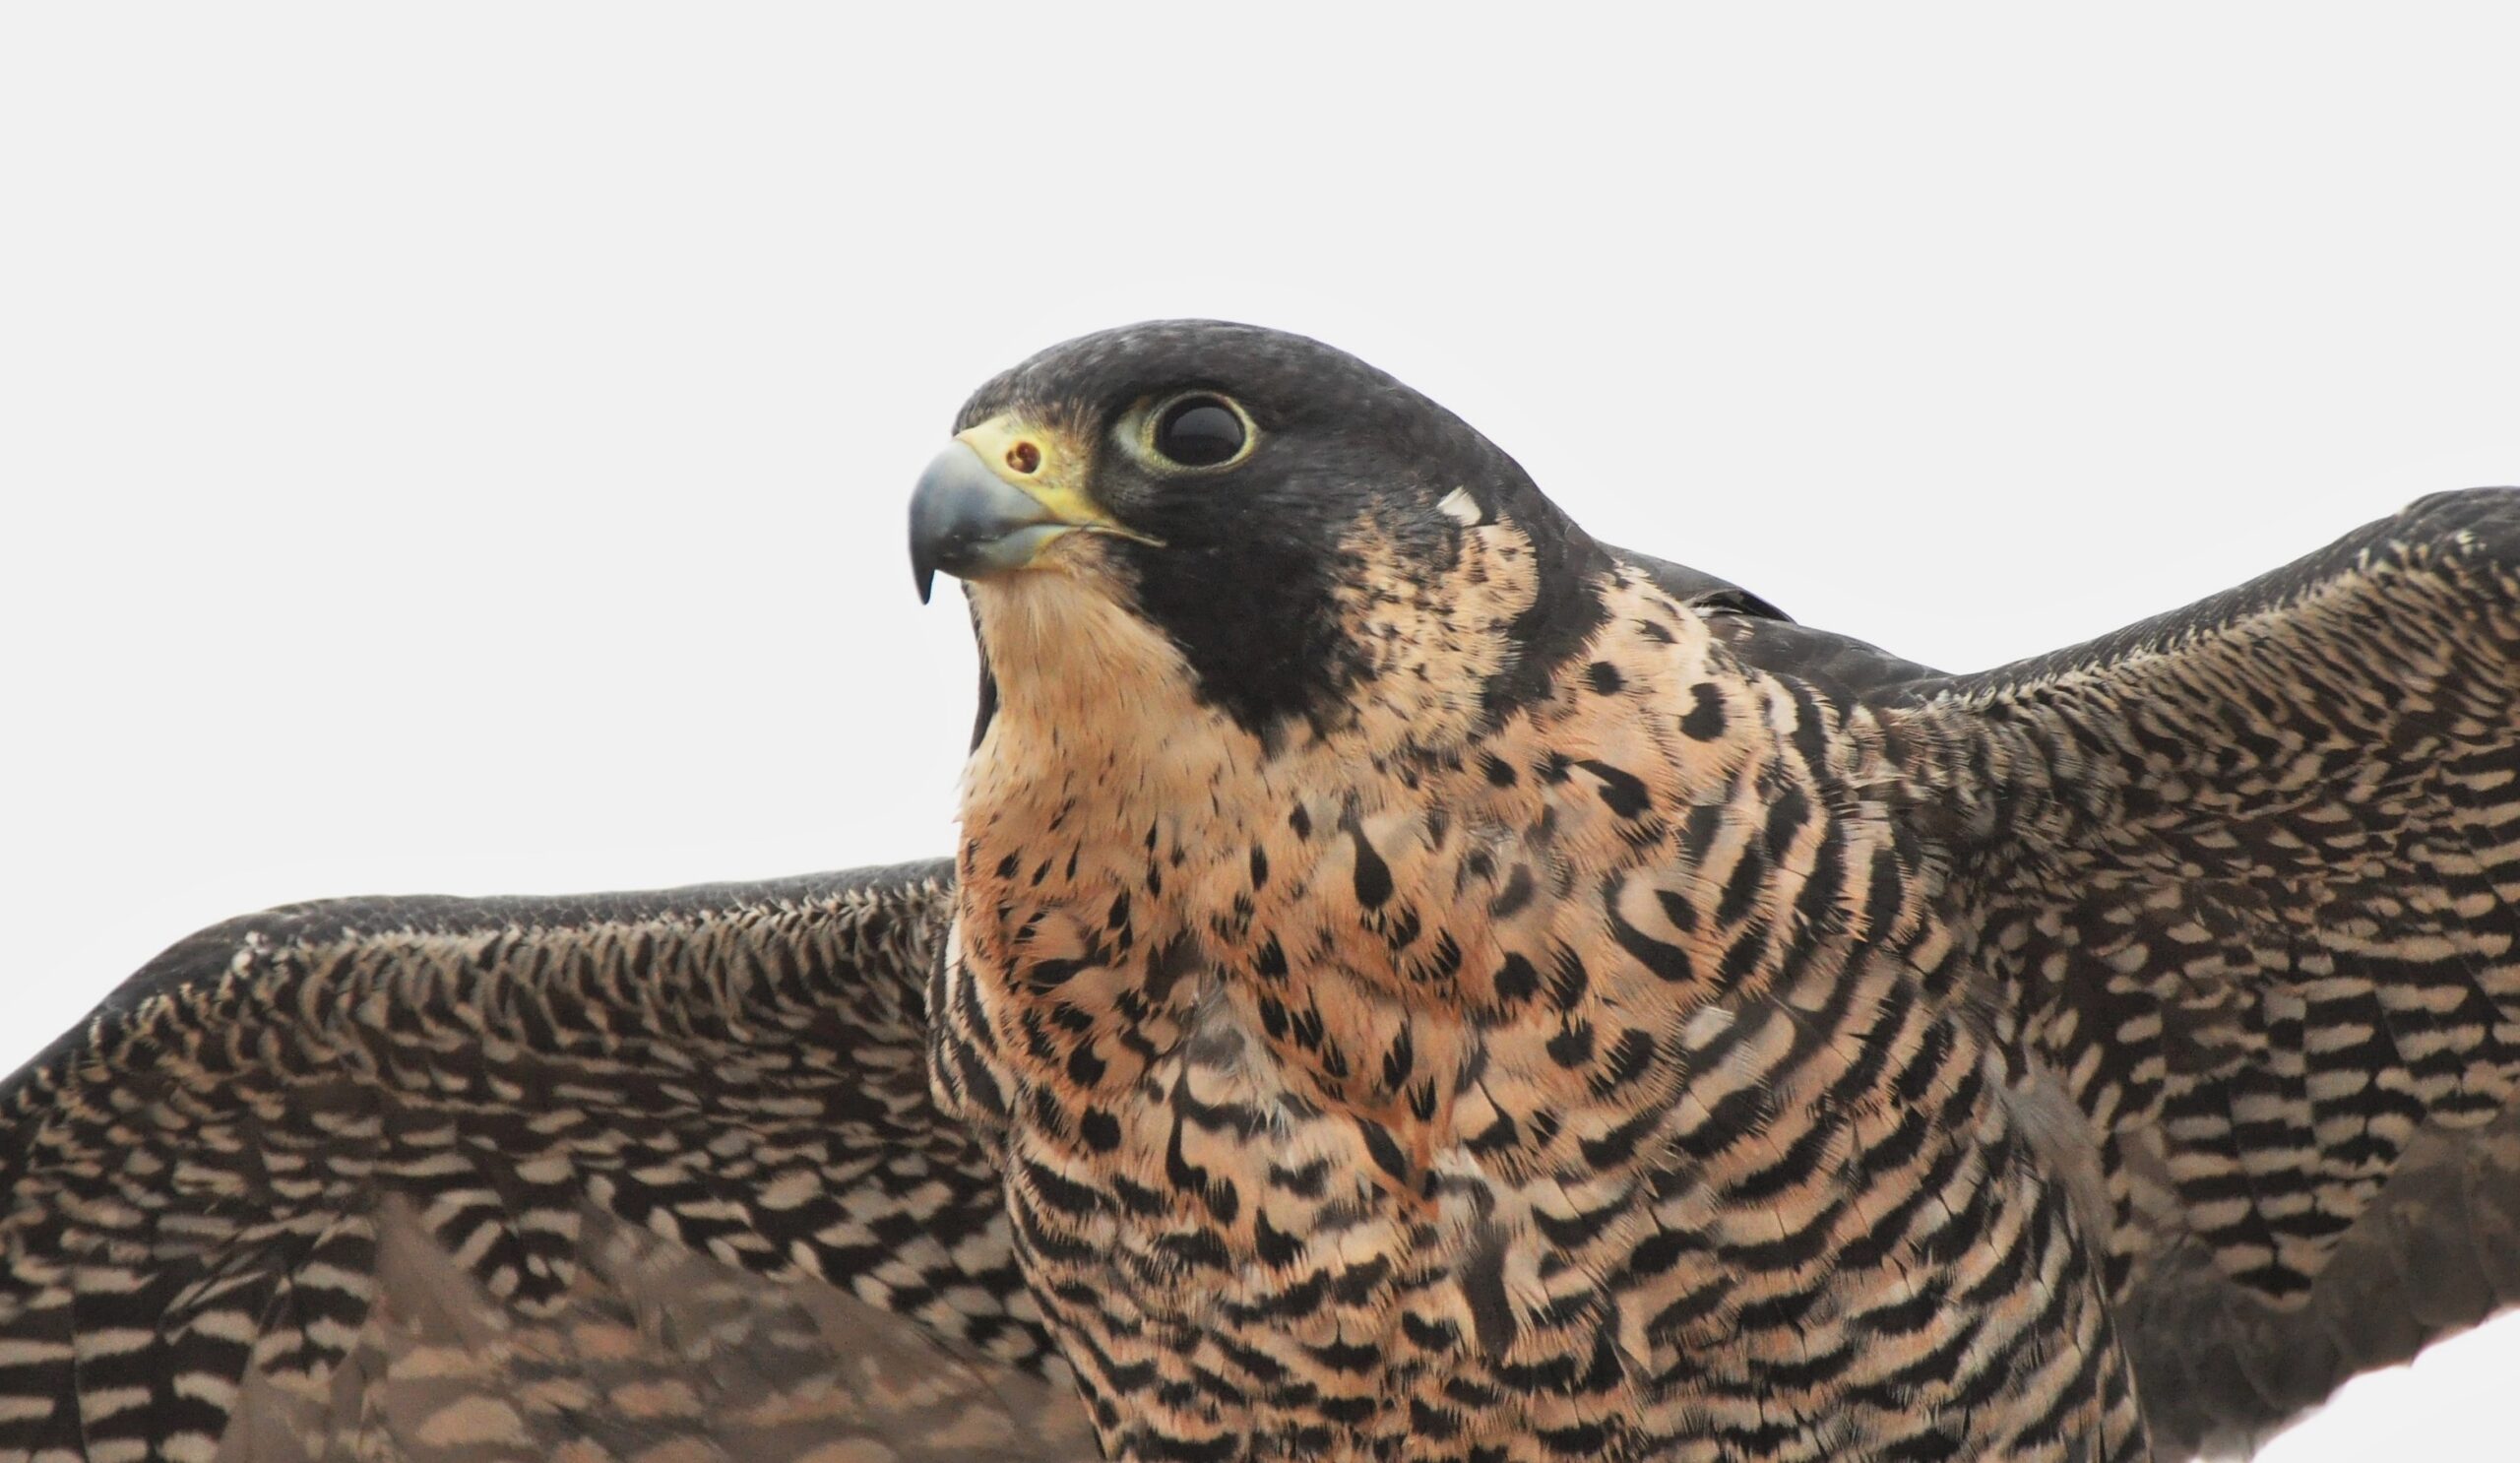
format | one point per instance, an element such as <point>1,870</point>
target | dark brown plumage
<point>1424,985</point>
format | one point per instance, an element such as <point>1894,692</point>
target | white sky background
<point>464,448</point>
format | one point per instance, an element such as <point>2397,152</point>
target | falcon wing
<point>2247,877</point>
<point>635,1176</point>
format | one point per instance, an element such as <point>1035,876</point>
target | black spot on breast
<point>1397,1062</point>
<point>1617,1147</point>
<point>1483,1283</point>
<point>1785,817</point>
<point>1622,792</point>
<point>1745,954</point>
<point>1058,1193</point>
<point>1705,721</point>
<point>1184,1176</point>
<point>1310,1181</point>
<point>1569,981</point>
<point>1440,963</point>
<point>1604,678</point>
<point>1496,1137</point>
<point>1384,1149</point>
<point>1883,891</point>
<point>1583,1439</point>
<point>1699,828</point>
<point>1516,978</point>
<point>1048,1112</point>
<point>1667,961</point>
<point>1049,974</point>
<point>1348,1358</point>
<point>1572,1046</point>
<point>1373,876</point>
<point>1433,1336</point>
<point>1277,1249</point>
<point>1628,1060</point>
<point>1499,772</point>
<point>1166,967</point>
<point>1516,893</point>
<point>1356,1285</point>
<point>1741,887</point>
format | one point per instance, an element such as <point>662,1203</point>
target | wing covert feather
<point>2246,879</point>
<point>633,1176</point>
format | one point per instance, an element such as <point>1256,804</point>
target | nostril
<point>1024,458</point>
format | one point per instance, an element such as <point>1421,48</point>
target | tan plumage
<point>1424,985</point>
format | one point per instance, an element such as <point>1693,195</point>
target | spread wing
<point>2247,879</point>
<point>636,1177</point>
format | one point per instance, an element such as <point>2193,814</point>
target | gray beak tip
<point>965,520</point>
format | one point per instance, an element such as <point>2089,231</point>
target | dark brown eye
<point>1199,432</point>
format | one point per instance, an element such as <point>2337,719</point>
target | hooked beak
<point>994,498</point>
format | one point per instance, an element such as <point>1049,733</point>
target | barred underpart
<point>1601,1084</point>
<point>1528,1005</point>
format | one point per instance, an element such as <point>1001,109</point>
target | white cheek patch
<point>1459,506</point>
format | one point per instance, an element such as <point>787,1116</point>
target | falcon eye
<point>1199,432</point>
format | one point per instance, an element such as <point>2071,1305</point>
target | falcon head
<point>1292,524</point>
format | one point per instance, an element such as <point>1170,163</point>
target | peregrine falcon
<point>1414,982</point>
